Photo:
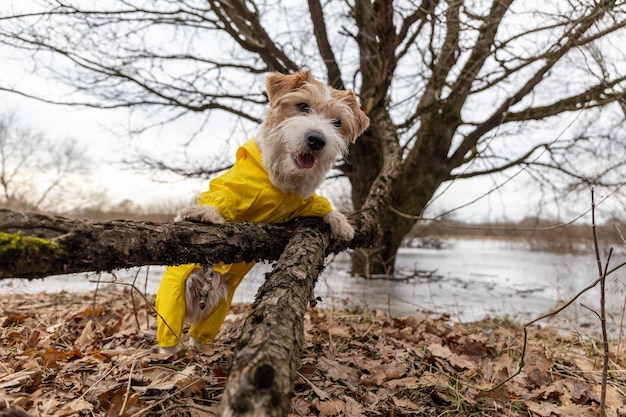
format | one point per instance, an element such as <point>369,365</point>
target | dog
<point>306,127</point>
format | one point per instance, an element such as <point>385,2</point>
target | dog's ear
<point>280,84</point>
<point>360,121</point>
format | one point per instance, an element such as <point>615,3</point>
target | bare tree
<point>455,89</point>
<point>38,173</point>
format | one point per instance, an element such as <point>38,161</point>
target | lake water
<point>467,279</point>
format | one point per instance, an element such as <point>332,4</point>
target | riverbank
<point>467,279</point>
<point>67,354</point>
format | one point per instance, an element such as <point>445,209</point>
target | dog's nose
<point>315,140</point>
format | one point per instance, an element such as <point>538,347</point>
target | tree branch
<point>570,39</point>
<point>38,245</point>
<point>421,14</point>
<point>245,27</point>
<point>481,51</point>
<point>377,41</point>
<point>521,160</point>
<point>187,171</point>
<point>596,96</point>
<point>446,58</point>
<point>323,45</point>
<point>261,379</point>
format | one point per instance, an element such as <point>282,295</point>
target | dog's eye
<point>337,123</point>
<point>303,108</point>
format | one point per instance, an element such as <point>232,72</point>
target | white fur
<point>218,286</point>
<point>172,350</point>
<point>204,214</point>
<point>278,143</point>
<point>339,226</point>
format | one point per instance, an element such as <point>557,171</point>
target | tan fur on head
<point>302,113</point>
<point>278,84</point>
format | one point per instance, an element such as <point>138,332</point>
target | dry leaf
<point>439,350</point>
<point>410,366</point>
<point>614,398</point>
<point>353,408</point>
<point>405,404</point>
<point>544,409</point>
<point>338,371</point>
<point>408,382</point>
<point>75,407</point>
<point>23,378</point>
<point>339,331</point>
<point>13,319</point>
<point>382,373</point>
<point>51,357</point>
<point>330,408</point>
<point>87,337</point>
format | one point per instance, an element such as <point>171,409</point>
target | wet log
<point>36,245</point>
<point>262,375</point>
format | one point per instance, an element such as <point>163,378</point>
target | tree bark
<point>37,245</point>
<point>380,196</point>
<point>262,375</point>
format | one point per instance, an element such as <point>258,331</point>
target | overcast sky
<point>102,134</point>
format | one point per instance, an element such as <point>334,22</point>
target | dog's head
<point>307,126</point>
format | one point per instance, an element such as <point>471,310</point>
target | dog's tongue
<point>305,160</point>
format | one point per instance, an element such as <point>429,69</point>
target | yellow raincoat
<point>243,193</point>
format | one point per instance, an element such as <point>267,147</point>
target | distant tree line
<point>539,234</point>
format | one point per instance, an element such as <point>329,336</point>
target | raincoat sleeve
<point>220,197</point>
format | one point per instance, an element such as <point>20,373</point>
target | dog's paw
<point>339,226</point>
<point>173,350</point>
<point>204,214</point>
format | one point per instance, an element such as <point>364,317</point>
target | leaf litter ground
<point>70,354</point>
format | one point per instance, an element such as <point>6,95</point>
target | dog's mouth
<point>303,160</point>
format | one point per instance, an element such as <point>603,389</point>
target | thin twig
<point>621,328</point>
<point>595,236</point>
<point>602,272</point>
<point>145,291</point>
<point>592,310</point>
<point>621,321</point>
<point>128,386</point>
<point>95,293</point>
<point>605,338</point>
<point>147,303</point>
<point>132,298</point>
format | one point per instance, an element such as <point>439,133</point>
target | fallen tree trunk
<point>262,375</point>
<point>37,245</point>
